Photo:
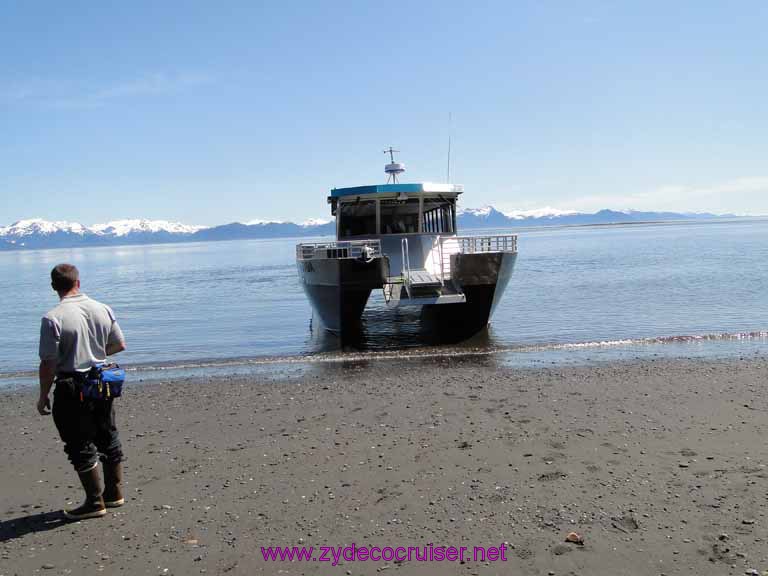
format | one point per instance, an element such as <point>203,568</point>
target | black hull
<point>483,278</point>
<point>338,309</point>
<point>338,289</point>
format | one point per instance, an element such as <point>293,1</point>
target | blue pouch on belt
<point>104,381</point>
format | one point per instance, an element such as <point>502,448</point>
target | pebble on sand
<point>575,538</point>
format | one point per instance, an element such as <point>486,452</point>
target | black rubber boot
<point>93,507</point>
<point>113,485</point>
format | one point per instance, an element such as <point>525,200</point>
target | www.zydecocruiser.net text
<point>354,553</point>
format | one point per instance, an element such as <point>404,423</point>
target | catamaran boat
<point>401,239</point>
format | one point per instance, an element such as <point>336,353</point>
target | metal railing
<point>445,256</point>
<point>447,246</point>
<point>356,249</point>
<point>440,266</point>
<point>406,265</point>
<point>475,244</point>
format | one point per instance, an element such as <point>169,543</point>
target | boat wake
<point>726,336</point>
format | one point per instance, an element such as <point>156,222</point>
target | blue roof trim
<point>375,189</point>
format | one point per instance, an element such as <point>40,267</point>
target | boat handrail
<point>439,242</point>
<point>406,265</point>
<point>478,244</point>
<point>345,249</point>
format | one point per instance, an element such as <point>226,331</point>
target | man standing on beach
<point>76,335</point>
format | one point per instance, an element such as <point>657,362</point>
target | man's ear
<point>77,283</point>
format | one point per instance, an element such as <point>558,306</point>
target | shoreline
<point>721,347</point>
<point>660,464</point>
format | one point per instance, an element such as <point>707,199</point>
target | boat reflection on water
<point>403,330</point>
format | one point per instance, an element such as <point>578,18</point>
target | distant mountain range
<point>489,217</point>
<point>38,233</point>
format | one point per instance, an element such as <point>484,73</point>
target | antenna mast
<point>448,169</point>
<point>393,169</point>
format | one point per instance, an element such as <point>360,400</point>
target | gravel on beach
<point>658,465</point>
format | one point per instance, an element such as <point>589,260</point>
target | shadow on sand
<point>23,525</point>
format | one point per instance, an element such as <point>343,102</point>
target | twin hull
<point>339,288</point>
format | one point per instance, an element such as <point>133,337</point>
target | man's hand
<point>47,375</point>
<point>44,405</point>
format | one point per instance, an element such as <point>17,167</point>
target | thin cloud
<point>66,95</point>
<point>150,85</point>
<point>738,195</point>
<point>29,89</point>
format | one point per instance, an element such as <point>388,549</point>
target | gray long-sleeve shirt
<point>77,332</point>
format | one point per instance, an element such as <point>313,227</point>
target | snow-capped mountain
<point>38,226</point>
<point>490,217</point>
<point>266,229</point>
<point>38,233</point>
<point>486,211</point>
<point>315,222</point>
<point>545,212</point>
<point>119,228</point>
<point>260,222</point>
<point>307,223</point>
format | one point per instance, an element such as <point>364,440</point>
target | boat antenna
<point>448,169</point>
<point>393,169</point>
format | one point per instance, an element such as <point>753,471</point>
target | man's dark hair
<point>64,277</point>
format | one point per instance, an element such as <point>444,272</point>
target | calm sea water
<point>642,288</point>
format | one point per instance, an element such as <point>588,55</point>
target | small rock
<point>575,538</point>
<point>748,521</point>
<point>48,566</point>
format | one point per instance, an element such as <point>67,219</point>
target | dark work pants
<point>87,428</point>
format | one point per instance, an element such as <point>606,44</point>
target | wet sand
<point>659,465</point>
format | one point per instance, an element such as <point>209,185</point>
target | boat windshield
<point>397,216</point>
<point>439,216</point>
<point>358,218</point>
<point>400,216</point>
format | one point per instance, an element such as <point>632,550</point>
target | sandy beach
<point>659,465</point>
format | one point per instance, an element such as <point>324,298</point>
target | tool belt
<point>101,382</point>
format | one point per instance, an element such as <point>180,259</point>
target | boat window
<point>358,218</point>
<point>438,216</point>
<point>400,216</point>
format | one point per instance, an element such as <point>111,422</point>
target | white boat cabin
<point>413,222</point>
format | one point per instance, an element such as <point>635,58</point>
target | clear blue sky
<point>209,112</point>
